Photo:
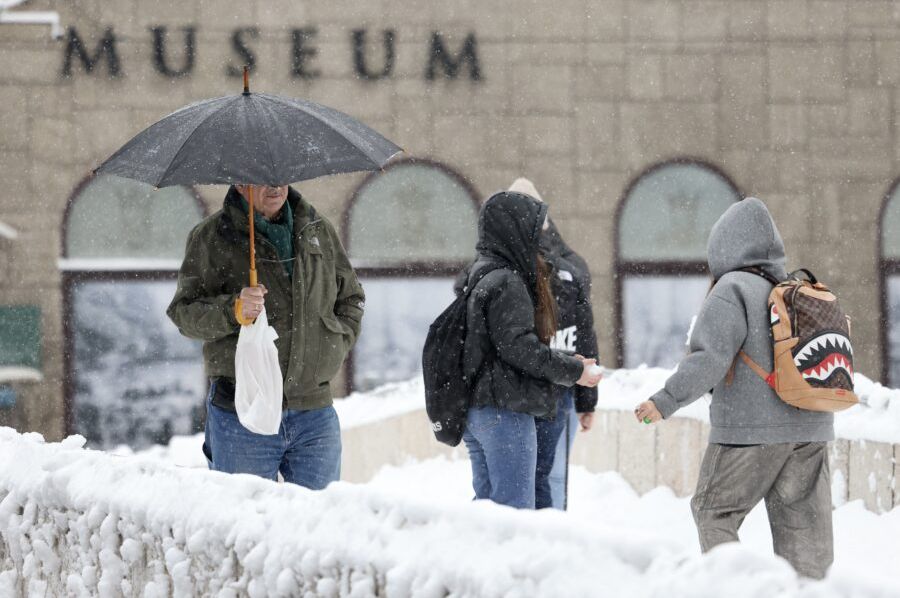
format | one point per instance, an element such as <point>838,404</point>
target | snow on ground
<point>867,549</point>
<point>81,522</point>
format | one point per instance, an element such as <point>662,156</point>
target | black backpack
<point>448,388</point>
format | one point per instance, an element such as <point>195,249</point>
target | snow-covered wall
<point>77,523</point>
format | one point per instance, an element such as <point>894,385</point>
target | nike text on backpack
<point>812,352</point>
<point>448,387</point>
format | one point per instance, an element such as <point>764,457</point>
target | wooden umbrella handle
<point>253,281</point>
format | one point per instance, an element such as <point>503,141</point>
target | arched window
<point>661,266</point>
<point>409,230</point>
<point>890,286</point>
<point>131,378</point>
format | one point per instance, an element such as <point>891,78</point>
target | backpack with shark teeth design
<point>812,350</point>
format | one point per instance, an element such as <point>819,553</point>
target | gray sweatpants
<point>795,481</point>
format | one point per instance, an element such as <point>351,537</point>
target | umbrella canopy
<point>251,138</point>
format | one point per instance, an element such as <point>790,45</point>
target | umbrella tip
<point>246,80</point>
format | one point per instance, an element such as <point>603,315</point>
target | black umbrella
<point>251,138</point>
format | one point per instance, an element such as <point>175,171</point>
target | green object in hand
<point>647,419</point>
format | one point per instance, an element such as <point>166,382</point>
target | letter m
<point>450,65</point>
<point>105,47</point>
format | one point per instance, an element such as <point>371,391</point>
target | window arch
<point>409,230</point>
<point>662,226</point>
<point>889,254</point>
<point>131,378</point>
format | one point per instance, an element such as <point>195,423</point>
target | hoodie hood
<point>554,247</point>
<point>745,235</point>
<point>509,230</point>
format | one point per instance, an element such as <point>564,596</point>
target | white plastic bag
<point>258,385</point>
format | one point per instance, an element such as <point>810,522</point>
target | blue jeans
<point>550,477</point>
<point>503,449</point>
<point>306,450</point>
<point>559,475</point>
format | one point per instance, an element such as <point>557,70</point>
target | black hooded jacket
<point>515,370</point>
<point>572,288</point>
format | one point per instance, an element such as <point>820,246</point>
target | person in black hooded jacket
<point>511,320</point>
<point>571,289</point>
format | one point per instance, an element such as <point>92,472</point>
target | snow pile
<point>361,408</point>
<point>876,418</point>
<point>78,523</point>
<point>865,542</point>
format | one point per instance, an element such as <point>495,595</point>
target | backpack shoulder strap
<point>762,273</point>
<point>758,369</point>
<point>767,377</point>
<point>479,276</point>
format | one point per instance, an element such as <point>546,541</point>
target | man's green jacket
<point>316,312</point>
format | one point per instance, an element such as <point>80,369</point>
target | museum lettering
<point>372,53</point>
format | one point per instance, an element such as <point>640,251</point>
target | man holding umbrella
<point>313,300</point>
<point>294,270</point>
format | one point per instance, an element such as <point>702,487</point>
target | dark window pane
<point>893,315</point>
<point>20,340</point>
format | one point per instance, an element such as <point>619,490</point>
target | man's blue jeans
<point>550,475</point>
<point>559,475</point>
<point>503,449</point>
<point>306,450</point>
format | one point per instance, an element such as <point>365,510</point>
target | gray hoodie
<point>735,316</point>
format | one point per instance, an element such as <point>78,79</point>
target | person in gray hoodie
<point>760,448</point>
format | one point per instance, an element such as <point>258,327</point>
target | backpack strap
<point>768,377</point>
<point>467,290</point>
<point>809,275</point>
<point>762,273</point>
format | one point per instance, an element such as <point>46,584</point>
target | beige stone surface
<point>598,449</point>
<point>871,471</point>
<point>678,455</point>
<point>839,460</point>
<point>638,452</point>
<point>895,485</point>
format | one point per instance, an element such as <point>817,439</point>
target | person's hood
<point>745,235</point>
<point>555,248</point>
<point>509,230</point>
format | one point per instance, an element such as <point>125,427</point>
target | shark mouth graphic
<point>824,359</point>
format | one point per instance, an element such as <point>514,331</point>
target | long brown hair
<point>546,312</point>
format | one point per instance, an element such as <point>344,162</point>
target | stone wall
<point>795,100</point>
